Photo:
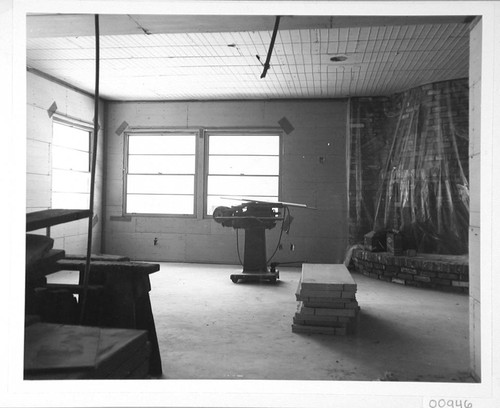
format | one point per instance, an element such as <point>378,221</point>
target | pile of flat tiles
<point>327,300</point>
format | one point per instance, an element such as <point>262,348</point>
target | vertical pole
<point>86,275</point>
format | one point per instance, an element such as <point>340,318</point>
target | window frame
<point>63,120</point>
<point>238,132</point>
<point>158,132</point>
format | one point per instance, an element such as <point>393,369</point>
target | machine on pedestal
<point>255,217</point>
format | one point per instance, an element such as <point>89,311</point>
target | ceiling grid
<point>210,65</point>
<point>388,56</point>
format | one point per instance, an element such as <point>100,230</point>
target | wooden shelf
<point>47,218</point>
<point>136,268</point>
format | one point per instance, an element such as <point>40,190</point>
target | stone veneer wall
<point>446,273</point>
<point>409,167</point>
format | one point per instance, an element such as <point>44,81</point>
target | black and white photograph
<point>250,203</point>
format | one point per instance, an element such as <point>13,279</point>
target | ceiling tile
<point>227,65</point>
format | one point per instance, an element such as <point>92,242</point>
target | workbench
<point>117,290</point>
<point>125,298</point>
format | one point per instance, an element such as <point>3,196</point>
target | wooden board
<point>59,351</point>
<point>57,347</point>
<point>100,257</point>
<point>327,277</point>
<point>108,266</point>
<point>47,218</point>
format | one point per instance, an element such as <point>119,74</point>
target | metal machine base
<point>271,276</point>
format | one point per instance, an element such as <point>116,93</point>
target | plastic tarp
<point>409,167</point>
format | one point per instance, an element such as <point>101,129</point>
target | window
<point>161,170</point>
<point>70,166</point>
<point>242,165</point>
<point>164,170</point>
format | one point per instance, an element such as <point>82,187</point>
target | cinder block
<point>348,295</point>
<point>305,310</point>
<point>322,294</point>
<point>320,323</point>
<point>335,312</point>
<point>298,328</point>
<point>344,304</point>
<point>313,320</point>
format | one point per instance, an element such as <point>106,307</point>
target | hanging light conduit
<point>271,46</point>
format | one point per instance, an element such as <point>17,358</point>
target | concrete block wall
<point>41,94</point>
<point>313,173</point>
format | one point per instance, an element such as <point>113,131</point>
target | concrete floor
<point>211,328</point>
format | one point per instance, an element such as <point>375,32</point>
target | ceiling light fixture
<point>338,58</point>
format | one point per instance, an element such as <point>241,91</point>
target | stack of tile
<point>327,300</point>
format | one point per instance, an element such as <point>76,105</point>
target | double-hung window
<point>242,165</point>
<point>70,165</point>
<point>160,173</point>
<point>176,173</point>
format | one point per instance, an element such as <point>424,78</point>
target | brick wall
<point>409,167</point>
<point>446,273</point>
<point>371,135</point>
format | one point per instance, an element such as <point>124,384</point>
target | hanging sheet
<point>409,167</point>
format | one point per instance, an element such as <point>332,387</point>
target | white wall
<point>475,193</point>
<point>41,94</point>
<point>318,235</point>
